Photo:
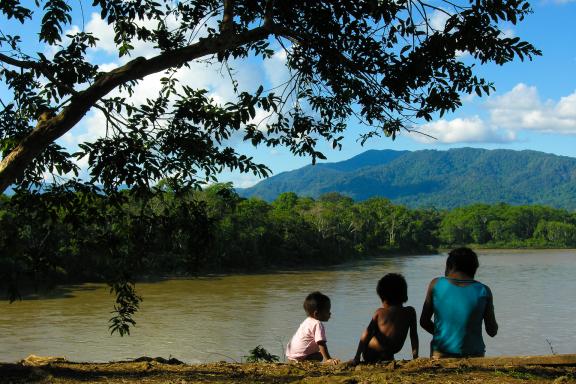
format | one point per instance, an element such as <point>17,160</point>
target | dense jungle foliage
<point>64,236</point>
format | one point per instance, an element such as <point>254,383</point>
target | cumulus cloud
<point>461,130</point>
<point>521,108</point>
<point>438,20</point>
<point>244,180</point>
<point>276,70</point>
<point>94,128</point>
<point>104,33</point>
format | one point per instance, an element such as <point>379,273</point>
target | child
<point>386,333</point>
<point>309,341</point>
<point>459,305</point>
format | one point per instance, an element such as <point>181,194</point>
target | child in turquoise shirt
<point>459,305</point>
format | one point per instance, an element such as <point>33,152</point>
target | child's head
<point>462,260</point>
<point>392,288</point>
<point>317,305</point>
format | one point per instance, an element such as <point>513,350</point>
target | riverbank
<point>555,369</point>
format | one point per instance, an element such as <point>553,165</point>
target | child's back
<point>388,329</point>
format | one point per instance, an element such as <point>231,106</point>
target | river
<point>222,318</point>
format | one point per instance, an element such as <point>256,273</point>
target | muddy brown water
<point>222,318</point>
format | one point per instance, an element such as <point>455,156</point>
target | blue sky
<point>533,107</point>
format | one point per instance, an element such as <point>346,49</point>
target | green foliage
<point>505,225</point>
<point>259,354</point>
<point>127,303</point>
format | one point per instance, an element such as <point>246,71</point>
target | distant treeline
<point>74,236</point>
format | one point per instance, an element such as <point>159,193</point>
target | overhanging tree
<point>379,61</point>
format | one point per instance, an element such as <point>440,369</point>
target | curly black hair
<point>463,260</point>
<point>393,289</point>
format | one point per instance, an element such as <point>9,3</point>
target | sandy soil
<point>557,369</point>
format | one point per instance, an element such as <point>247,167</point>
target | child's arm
<point>326,359</point>
<point>414,334</point>
<point>428,310</point>
<point>364,340</point>
<point>489,317</point>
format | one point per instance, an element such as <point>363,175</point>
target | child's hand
<point>331,361</point>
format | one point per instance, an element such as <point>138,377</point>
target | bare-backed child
<point>388,329</point>
<point>309,341</point>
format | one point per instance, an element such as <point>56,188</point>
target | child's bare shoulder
<point>381,313</point>
<point>409,310</point>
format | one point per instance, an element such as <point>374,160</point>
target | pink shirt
<point>305,340</point>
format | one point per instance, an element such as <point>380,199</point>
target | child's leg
<point>372,356</point>
<point>314,357</point>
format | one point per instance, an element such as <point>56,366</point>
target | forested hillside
<point>441,179</point>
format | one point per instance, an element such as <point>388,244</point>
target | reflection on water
<point>222,318</point>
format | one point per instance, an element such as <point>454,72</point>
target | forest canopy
<point>91,237</point>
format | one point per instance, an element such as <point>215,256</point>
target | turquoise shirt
<point>458,315</point>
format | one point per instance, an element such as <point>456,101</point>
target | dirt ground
<point>556,369</point>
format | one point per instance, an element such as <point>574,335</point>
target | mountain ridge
<point>434,178</point>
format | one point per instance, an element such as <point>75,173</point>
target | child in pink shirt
<point>309,341</point>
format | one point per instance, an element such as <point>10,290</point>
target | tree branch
<point>29,64</point>
<point>228,17</point>
<point>46,131</point>
<point>268,9</point>
<point>18,63</point>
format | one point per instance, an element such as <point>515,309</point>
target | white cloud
<point>438,20</point>
<point>516,111</point>
<point>461,54</point>
<point>566,107</point>
<point>104,33</point>
<point>276,70</point>
<point>244,180</point>
<point>508,33</point>
<point>94,128</point>
<point>461,130</point>
<point>521,108</point>
<point>107,67</point>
